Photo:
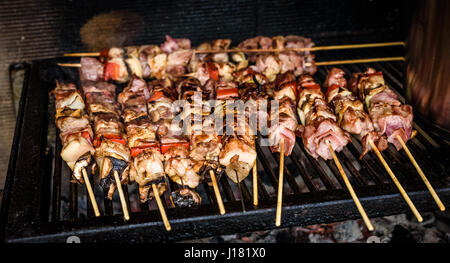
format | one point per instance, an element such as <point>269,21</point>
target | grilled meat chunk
<point>186,198</point>
<point>350,111</point>
<point>238,158</point>
<point>389,115</point>
<point>180,168</point>
<point>91,69</point>
<point>318,120</point>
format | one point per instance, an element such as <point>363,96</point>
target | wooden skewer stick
<point>396,182</point>
<point>90,192</point>
<point>422,175</point>
<point>350,189</point>
<point>280,185</point>
<point>83,54</point>
<point>70,65</point>
<point>354,61</point>
<point>126,215</point>
<point>162,211</point>
<point>331,47</point>
<point>255,184</point>
<point>217,192</point>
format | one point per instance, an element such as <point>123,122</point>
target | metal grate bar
<point>272,177</point>
<point>245,191</point>
<point>73,205</point>
<point>209,193</point>
<point>289,178</point>
<point>336,173</point>
<point>307,178</point>
<point>347,163</point>
<point>56,195</point>
<point>144,206</point>
<point>226,188</point>
<point>108,206</point>
<point>316,167</point>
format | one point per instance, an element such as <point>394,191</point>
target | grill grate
<point>313,189</point>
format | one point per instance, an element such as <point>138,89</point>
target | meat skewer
<point>321,134</point>
<point>146,166</point>
<point>76,134</point>
<point>282,132</point>
<point>253,94</point>
<point>353,119</point>
<point>332,47</point>
<point>350,111</point>
<point>317,64</point>
<point>175,143</point>
<point>238,154</point>
<point>205,143</point>
<point>390,116</point>
<point>120,64</point>
<point>283,122</point>
<point>255,90</point>
<point>111,153</point>
<point>175,57</point>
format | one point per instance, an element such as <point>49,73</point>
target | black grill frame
<point>27,214</point>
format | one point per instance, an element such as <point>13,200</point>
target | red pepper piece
<point>111,71</point>
<point>166,147</point>
<point>212,71</point>
<point>331,88</point>
<point>135,151</point>
<point>227,93</point>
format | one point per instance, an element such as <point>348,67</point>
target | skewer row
<point>246,50</point>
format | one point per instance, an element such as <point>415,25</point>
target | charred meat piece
<point>186,198</point>
<point>136,88</point>
<point>107,168</point>
<point>84,162</point>
<point>392,121</point>
<point>144,54</point>
<point>177,61</point>
<point>160,104</point>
